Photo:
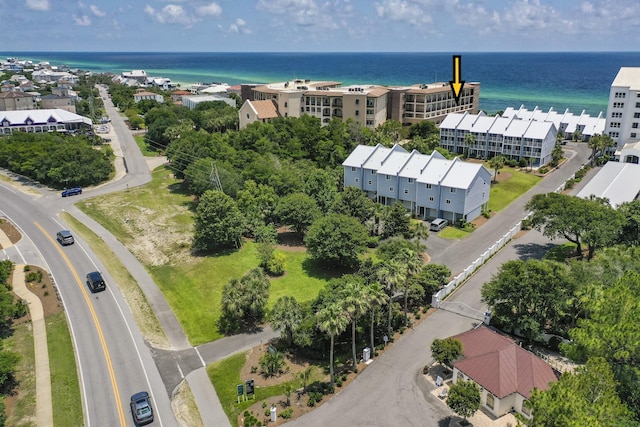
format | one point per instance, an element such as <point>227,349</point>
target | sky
<point>319,25</point>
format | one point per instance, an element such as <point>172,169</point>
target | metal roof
<point>618,182</point>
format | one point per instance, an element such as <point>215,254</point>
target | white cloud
<point>239,27</point>
<point>412,12</point>
<point>212,9</point>
<point>82,21</point>
<point>311,14</point>
<point>40,5</point>
<point>170,14</point>
<point>96,10</point>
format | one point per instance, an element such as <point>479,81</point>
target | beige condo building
<point>368,105</point>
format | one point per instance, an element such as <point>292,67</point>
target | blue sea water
<point>576,80</point>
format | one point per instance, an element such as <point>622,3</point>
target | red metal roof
<point>499,365</point>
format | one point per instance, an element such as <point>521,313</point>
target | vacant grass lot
<point>155,222</point>
<point>144,148</point>
<point>505,192</point>
<point>24,407</point>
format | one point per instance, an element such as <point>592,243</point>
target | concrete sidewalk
<point>44,406</point>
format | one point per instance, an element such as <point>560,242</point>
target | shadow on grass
<point>315,269</point>
<point>532,250</point>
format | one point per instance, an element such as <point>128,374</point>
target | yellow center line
<point>80,283</point>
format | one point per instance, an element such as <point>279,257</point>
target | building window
<point>619,105</point>
<point>448,201</point>
<point>353,169</point>
<point>373,172</point>
<point>357,103</point>
<point>369,182</point>
<point>357,180</point>
<point>410,180</point>
<point>634,125</point>
<point>431,199</point>
<point>357,112</point>
<point>633,135</point>
<point>452,190</point>
<point>636,115</point>
<point>387,177</point>
<point>490,401</point>
<point>390,188</point>
<point>247,115</point>
<point>427,186</point>
<point>285,104</point>
<point>637,104</point>
<point>406,191</point>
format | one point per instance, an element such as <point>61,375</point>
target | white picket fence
<point>439,296</point>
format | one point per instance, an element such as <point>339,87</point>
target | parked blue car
<point>72,191</point>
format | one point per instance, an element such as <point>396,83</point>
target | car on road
<point>96,282</point>
<point>72,191</point>
<point>65,237</point>
<point>438,224</point>
<point>141,408</point>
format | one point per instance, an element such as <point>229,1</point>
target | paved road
<point>392,391</point>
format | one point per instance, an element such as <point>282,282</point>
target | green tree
<point>257,202</point>
<point>412,264</point>
<point>332,320</point>
<point>321,186</point>
<point>591,221</point>
<point>470,144</point>
<point>391,274</point>
<point>464,398</point>
<point>304,376</point>
<point>244,301</point>
<point>199,176</point>
<point>375,298</point>
<point>356,303</point>
<point>272,363</point>
<point>445,351</point>
<point>584,398</point>
<point>397,221</point>
<point>432,277</point>
<point>496,163</point>
<point>424,129</point>
<point>297,210</point>
<point>286,316</point>
<point>556,155</point>
<point>528,295</point>
<point>630,234</point>
<point>598,143</point>
<point>218,222</point>
<point>354,202</point>
<point>337,240</point>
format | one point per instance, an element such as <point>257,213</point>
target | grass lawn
<point>453,233</point>
<point>144,147</point>
<point>24,408</point>
<point>561,252</point>
<point>156,221</point>
<point>505,192</point>
<point>67,406</point>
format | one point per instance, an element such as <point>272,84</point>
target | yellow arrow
<point>457,84</point>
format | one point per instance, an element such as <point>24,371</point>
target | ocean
<point>574,80</point>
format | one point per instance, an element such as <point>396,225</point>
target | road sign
<point>249,386</point>
<point>385,339</point>
<point>240,388</point>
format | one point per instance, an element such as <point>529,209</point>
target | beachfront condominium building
<point>623,111</point>
<point>429,186</point>
<point>369,105</point>
<point>484,137</point>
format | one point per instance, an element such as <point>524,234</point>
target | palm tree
<point>376,297</point>
<point>496,163</point>
<point>469,141</point>
<point>413,265</point>
<point>599,143</point>
<point>355,302</point>
<point>391,274</point>
<point>304,377</point>
<point>286,316</point>
<point>419,231</point>
<point>332,320</point>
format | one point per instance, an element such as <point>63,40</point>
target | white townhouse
<point>623,111</point>
<point>509,136</point>
<point>142,95</point>
<point>566,123</point>
<point>429,186</point>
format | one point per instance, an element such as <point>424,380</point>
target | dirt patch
<point>502,176</point>
<point>12,232</point>
<point>185,408</point>
<point>289,240</point>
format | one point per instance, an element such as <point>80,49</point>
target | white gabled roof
<point>417,163</point>
<point>394,163</point>
<point>435,171</point>
<point>359,156</point>
<point>452,120</point>
<point>461,174</point>
<point>517,128</point>
<point>538,130</point>
<point>379,156</point>
<point>618,182</point>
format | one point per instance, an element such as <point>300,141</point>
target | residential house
<point>15,101</point>
<point>142,95</point>
<point>429,186</point>
<point>257,111</point>
<point>176,96</point>
<point>505,372</point>
<point>56,120</point>
<point>192,101</point>
<point>581,126</point>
